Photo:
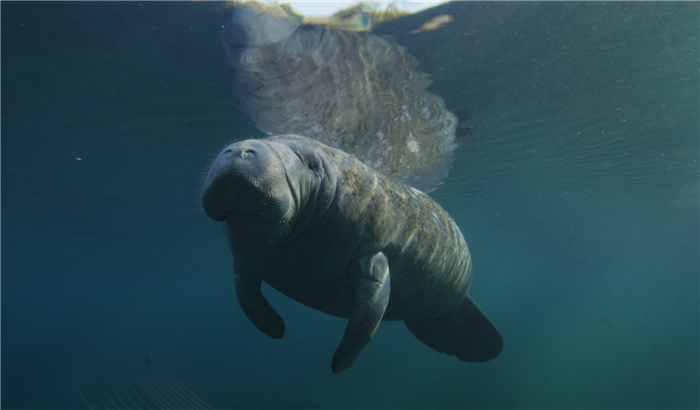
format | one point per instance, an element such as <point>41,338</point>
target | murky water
<point>575,183</point>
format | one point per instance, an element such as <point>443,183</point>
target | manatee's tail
<point>465,332</point>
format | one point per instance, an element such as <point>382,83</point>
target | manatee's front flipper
<point>465,332</point>
<point>369,277</point>
<point>257,308</point>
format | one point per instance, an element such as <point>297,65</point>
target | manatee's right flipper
<point>370,281</point>
<point>257,308</point>
<point>465,332</point>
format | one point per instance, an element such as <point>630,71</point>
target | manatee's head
<point>267,191</point>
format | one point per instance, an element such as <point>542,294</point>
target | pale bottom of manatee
<point>326,230</point>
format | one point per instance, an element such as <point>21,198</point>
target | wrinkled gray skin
<point>357,92</point>
<point>326,230</point>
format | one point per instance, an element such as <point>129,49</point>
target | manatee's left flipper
<point>370,282</point>
<point>465,332</point>
<point>256,307</point>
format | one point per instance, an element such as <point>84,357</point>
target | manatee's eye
<point>312,162</point>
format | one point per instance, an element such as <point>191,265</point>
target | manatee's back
<point>353,91</point>
<point>429,261</point>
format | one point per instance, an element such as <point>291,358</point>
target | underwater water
<point>575,185</point>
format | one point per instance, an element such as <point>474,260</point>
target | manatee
<point>358,92</point>
<point>328,231</point>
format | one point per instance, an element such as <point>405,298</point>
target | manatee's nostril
<point>248,152</point>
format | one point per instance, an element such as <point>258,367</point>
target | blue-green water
<point>576,188</point>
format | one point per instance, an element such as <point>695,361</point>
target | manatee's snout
<point>247,186</point>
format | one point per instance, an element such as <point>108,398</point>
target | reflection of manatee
<point>353,91</point>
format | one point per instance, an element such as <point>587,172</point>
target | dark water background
<point>576,188</point>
